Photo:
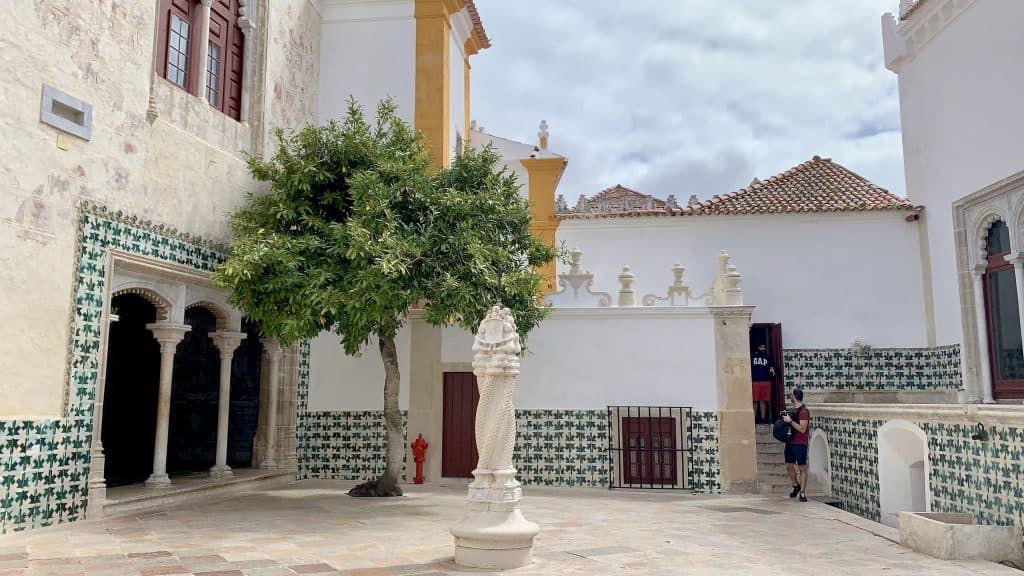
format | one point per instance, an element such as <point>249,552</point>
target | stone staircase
<point>771,464</point>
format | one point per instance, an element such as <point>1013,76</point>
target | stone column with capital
<point>204,48</point>
<point>168,335</point>
<point>248,27</point>
<point>273,351</point>
<point>984,391</point>
<point>226,343</point>
<point>494,534</point>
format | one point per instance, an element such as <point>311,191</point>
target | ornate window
<point>1000,287</point>
<point>215,76</point>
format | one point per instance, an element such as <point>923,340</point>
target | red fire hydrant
<point>419,449</point>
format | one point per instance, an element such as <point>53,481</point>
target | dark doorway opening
<point>131,390</point>
<point>245,397</point>
<point>458,443</point>
<point>192,435</point>
<point>771,335</point>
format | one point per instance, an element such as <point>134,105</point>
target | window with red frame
<point>1005,351</point>
<point>178,52</point>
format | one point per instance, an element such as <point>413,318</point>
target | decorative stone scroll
<point>577,278</point>
<point>494,534</point>
<point>679,292</point>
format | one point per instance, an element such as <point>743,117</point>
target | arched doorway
<point>245,397</point>
<point>903,483</point>
<point>192,433</point>
<point>131,390</point>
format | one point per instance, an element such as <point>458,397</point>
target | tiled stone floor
<point>312,527</point>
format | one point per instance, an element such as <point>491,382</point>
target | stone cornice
<point>87,207</point>
<point>904,40</point>
<point>332,11</point>
<point>966,413</point>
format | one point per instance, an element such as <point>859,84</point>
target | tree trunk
<point>388,482</point>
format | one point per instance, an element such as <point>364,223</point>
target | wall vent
<point>65,112</point>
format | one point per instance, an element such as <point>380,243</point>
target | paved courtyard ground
<point>312,527</point>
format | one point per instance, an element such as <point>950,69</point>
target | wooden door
<point>650,446</point>
<point>771,334</point>
<point>458,437</point>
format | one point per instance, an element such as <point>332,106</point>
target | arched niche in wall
<point>819,464</point>
<point>903,470</point>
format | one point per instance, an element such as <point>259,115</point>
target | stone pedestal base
<point>494,534</point>
<point>218,472</point>
<point>158,481</point>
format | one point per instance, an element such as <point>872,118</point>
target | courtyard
<point>312,527</point>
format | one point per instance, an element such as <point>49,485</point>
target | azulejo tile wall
<point>853,446</point>
<point>878,369</point>
<point>44,464</point>
<point>984,478</point>
<point>553,447</point>
<point>704,468</point>
<point>343,445</point>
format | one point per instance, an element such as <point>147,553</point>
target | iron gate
<point>650,446</point>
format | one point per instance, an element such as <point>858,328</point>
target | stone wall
<point>984,478</point>
<point>182,167</point>
<point>879,369</point>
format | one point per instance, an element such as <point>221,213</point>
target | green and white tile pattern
<point>879,369</point>
<point>44,464</point>
<point>982,478</point>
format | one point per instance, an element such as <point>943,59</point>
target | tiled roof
<point>818,185</point>
<point>478,25</point>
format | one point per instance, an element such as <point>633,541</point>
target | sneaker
<point>803,497</point>
<point>795,491</point>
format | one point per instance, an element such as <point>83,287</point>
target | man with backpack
<point>799,418</point>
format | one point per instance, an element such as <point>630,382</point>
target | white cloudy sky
<point>691,96</point>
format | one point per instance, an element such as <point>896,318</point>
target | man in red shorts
<point>799,418</point>
<point>762,371</point>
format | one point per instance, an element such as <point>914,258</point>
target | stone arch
<point>984,222</point>
<point>219,311</point>
<point>903,470</point>
<point>150,294</point>
<point>819,463</point>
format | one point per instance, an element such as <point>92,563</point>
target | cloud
<point>691,96</point>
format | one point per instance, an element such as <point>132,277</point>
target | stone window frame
<point>234,103</point>
<point>973,215</point>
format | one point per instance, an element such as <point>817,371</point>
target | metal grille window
<point>177,51</point>
<point>651,446</point>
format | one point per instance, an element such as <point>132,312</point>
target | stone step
<point>771,467</point>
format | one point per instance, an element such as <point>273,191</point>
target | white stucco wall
<point>828,278</point>
<point>511,153</point>
<point>344,383</point>
<point>457,110</point>
<point>592,358</point>
<point>962,125</point>
<point>368,51</point>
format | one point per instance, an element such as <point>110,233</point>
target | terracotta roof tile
<point>478,25</point>
<point>818,185</point>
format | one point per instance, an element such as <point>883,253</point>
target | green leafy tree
<point>357,229</point>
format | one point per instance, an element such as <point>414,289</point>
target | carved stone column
<point>226,343</point>
<point>247,26</point>
<point>494,534</point>
<point>273,351</point>
<point>984,367</point>
<point>97,460</point>
<point>168,335</point>
<point>737,447</point>
<point>204,48</point>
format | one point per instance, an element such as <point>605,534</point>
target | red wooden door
<point>458,437</point>
<point>650,448</point>
<point>771,335</point>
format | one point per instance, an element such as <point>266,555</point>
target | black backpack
<point>782,431</point>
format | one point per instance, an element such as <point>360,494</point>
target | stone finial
<point>561,207</point>
<point>627,295</point>
<point>649,204</point>
<point>733,294</point>
<point>604,206</point>
<point>582,204</point>
<point>472,125</point>
<point>693,201</point>
<point>543,135</point>
<point>670,202</point>
<point>626,206</point>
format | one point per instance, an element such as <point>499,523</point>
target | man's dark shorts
<point>796,454</point>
